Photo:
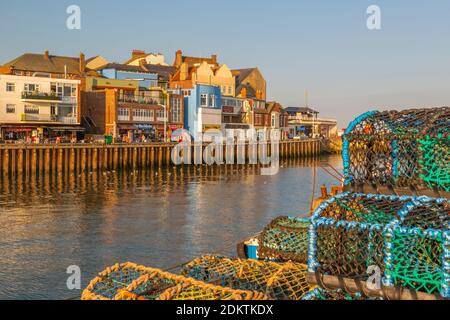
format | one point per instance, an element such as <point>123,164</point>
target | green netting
<point>407,238</point>
<point>417,263</point>
<point>284,239</point>
<point>321,294</point>
<point>399,150</point>
<point>436,162</point>
<point>349,248</point>
<point>417,248</point>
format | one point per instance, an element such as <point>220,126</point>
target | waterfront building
<point>139,57</point>
<point>202,108</point>
<point>40,97</point>
<point>305,122</point>
<point>197,70</point>
<point>151,96</point>
<point>130,117</point>
<point>233,113</point>
<point>250,83</point>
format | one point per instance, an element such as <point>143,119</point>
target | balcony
<point>40,97</point>
<point>48,118</point>
<point>28,96</point>
<point>154,101</point>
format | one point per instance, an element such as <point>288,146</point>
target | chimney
<point>184,70</point>
<point>214,58</point>
<point>178,58</point>
<point>82,63</point>
<point>137,53</point>
<point>46,55</point>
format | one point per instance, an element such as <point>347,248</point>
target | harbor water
<point>159,218</point>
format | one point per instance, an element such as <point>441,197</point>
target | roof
<point>196,60</point>
<point>300,110</point>
<point>125,67</point>
<point>163,71</point>
<point>241,74</point>
<point>39,63</point>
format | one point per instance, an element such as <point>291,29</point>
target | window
<point>203,100</point>
<point>212,101</point>
<point>31,109</point>
<point>273,120</point>
<point>229,90</point>
<point>10,87</point>
<point>30,87</point>
<point>176,110</point>
<point>160,115</point>
<point>10,108</point>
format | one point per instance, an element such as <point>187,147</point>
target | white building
<point>38,107</point>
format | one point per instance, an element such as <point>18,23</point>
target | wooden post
<point>33,161</point>
<point>47,161</point>
<point>5,159</point>
<point>83,160</point>
<point>94,159</point>
<point>20,162</point>
<point>60,161</point>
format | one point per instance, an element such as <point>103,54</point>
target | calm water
<point>157,218</point>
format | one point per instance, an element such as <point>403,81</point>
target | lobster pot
<point>418,248</point>
<point>280,281</point>
<point>354,235</point>
<point>322,294</point>
<point>406,153</point>
<point>285,239</point>
<point>130,281</point>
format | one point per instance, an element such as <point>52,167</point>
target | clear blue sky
<point>322,46</point>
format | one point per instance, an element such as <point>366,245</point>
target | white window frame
<point>10,85</point>
<point>29,108</point>
<point>13,106</point>
<point>213,100</point>
<point>204,96</point>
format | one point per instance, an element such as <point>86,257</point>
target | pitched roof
<point>196,60</point>
<point>39,63</point>
<point>163,71</point>
<point>241,74</point>
<point>125,67</point>
<point>300,110</point>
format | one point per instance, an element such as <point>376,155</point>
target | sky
<point>320,46</point>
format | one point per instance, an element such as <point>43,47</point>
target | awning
<point>66,128</point>
<point>144,127</point>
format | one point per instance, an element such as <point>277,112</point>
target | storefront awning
<point>66,129</point>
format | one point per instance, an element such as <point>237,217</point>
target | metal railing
<point>28,95</point>
<point>141,99</point>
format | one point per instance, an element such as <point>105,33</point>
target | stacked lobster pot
<point>388,235</point>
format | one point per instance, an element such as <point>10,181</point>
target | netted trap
<point>285,239</point>
<point>404,237</point>
<point>130,281</point>
<point>405,152</point>
<point>321,294</point>
<point>280,281</point>
<point>418,248</point>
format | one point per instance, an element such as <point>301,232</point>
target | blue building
<point>117,71</point>
<point>202,108</point>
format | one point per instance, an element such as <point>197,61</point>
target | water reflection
<point>158,217</point>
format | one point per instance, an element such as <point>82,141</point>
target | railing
<point>143,119</point>
<point>27,95</point>
<point>48,118</point>
<point>141,100</point>
<point>67,120</point>
<point>123,117</point>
